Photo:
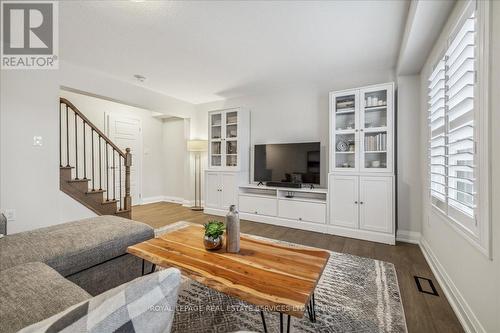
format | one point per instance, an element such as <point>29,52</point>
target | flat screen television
<point>287,162</point>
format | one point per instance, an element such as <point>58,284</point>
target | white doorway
<point>126,132</point>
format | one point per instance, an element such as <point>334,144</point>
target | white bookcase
<point>228,158</point>
<point>361,181</point>
<point>362,130</point>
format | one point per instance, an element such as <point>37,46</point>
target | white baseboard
<point>462,310</point>
<point>408,236</point>
<point>161,198</point>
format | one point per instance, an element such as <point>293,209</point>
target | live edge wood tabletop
<point>274,276</point>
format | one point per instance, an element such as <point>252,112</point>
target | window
<point>455,114</point>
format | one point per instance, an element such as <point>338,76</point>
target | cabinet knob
<point>300,218</point>
<point>355,202</point>
<point>256,212</point>
<point>356,130</point>
<point>361,130</point>
<point>361,202</point>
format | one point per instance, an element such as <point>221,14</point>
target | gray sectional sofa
<point>44,271</point>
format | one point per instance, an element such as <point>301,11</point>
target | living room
<point>347,147</point>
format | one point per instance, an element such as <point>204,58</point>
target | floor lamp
<point>197,147</point>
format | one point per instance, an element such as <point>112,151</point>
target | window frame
<point>481,240</point>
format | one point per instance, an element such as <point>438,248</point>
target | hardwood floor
<point>424,313</point>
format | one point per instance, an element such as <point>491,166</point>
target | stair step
<point>78,180</point>
<point>95,191</point>
<point>110,201</point>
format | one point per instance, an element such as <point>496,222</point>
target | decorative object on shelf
<point>342,145</point>
<point>232,230</point>
<point>289,195</point>
<point>213,235</point>
<point>197,147</point>
<point>375,164</point>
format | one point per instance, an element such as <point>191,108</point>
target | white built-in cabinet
<point>362,202</point>
<point>362,129</point>
<point>228,158</point>
<point>361,178</point>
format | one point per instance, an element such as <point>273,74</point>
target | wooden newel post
<point>128,164</point>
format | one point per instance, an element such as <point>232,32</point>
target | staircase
<point>93,170</point>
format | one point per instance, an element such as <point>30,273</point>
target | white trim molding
<point>162,198</point>
<point>408,236</point>
<point>462,310</point>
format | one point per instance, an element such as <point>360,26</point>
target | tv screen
<point>288,162</point>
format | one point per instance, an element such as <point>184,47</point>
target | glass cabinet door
<point>231,139</point>
<point>375,138</point>
<point>345,123</point>
<point>215,146</point>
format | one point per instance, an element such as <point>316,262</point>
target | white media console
<point>301,208</point>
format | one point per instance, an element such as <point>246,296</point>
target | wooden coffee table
<point>275,277</point>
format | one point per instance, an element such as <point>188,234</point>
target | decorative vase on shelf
<point>232,230</point>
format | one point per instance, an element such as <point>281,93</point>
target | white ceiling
<point>205,51</point>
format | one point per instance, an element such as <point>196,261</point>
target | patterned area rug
<point>355,294</point>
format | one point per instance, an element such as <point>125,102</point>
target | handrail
<point>106,165</point>
<point>63,100</point>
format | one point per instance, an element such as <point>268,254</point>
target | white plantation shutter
<point>452,87</point>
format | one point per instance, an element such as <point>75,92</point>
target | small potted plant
<point>213,235</point>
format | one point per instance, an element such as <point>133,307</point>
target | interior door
<point>125,132</point>
<point>213,190</point>
<point>344,201</point>
<point>375,209</point>
<point>229,196</point>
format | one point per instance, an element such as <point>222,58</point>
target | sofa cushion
<point>146,304</point>
<point>74,246</point>
<point>32,292</point>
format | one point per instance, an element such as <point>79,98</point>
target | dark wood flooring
<point>424,313</point>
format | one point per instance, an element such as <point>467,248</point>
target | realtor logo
<point>29,35</point>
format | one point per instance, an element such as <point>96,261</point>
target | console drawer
<point>258,205</point>
<point>302,211</point>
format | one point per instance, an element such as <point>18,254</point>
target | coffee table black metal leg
<point>263,321</point>
<point>153,268</point>
<point>311,309</point>
<point>288,323</point>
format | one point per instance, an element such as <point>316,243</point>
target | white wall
<point>472,279</point>
<point>175,157</point>
<point>95,109</point>
<point>29,175</point>
<point>409,181</point>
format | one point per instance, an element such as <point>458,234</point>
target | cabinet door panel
<point>213,193</point>
<point>229,194</point>
<point>343,201</point>
<point>375,209</point>
<point>256,205</point>
<point>302,211</point>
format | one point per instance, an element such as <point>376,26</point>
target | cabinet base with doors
<point>361,180</point>
<point>362,206</point>
<point>221,190</point>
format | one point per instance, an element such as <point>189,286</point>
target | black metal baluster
<point>114,181</point>
<point>120,175</point>
<point>60,134</point>
<point>76,146</point>
<point>100,165</point>
<point>84,153</point>
<point>92,159</point>
<point>67,136</point>
<point>107,173</point>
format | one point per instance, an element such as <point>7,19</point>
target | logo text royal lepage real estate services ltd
<point>29,33</point>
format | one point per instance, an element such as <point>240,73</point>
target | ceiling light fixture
<point>139,77</point>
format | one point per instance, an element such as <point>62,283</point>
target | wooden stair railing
<point>97,162</point>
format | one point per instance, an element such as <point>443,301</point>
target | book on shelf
<point>376,142</point>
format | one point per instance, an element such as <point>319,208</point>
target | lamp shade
<point>197,145</point>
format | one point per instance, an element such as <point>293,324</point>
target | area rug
<point>355,294</point>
